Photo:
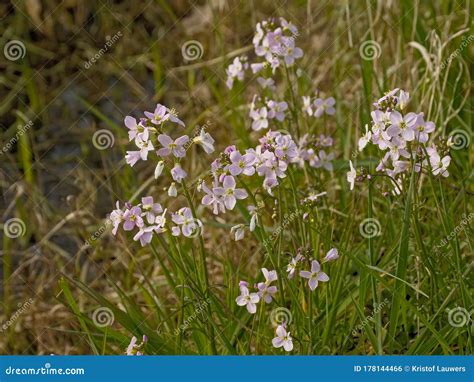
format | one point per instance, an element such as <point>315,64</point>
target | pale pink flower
<point>248,299</point>
<point>172,147</point>
<point>315,275</point>
<point>229,193</point>
<point>324,106</point>
<point>283,339</point>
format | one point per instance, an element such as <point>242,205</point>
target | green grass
<point>176,282</point>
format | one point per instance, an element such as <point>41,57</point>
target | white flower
<point>403,98</point>
<point>291,268</point>
<point>259,117</point>
<point>206,141</point>
<point>159,168</point>
<point>332,255</point>
<point>283,338</point>
<point>307,105</point>
<point>238,231</point>
<point>351,175</point>
<point>440,166</point>
<point>365,138</point>
<point>270,276</point>
<point>253,219</point>
<point>172,191</point>
<point>248,299</point>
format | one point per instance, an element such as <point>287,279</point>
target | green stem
<point>202,251</point>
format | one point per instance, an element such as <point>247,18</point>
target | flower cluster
<point>148,132</point>
<point>265,292</point>
<point>270,110</point>
<point>148,218</point>
<point>312,149</point>
<point>236,70</point>
<point>274,41</point>
<point>405,139</point>
<point>318,106</point>
<point>315,275</point>
<point>269,160</point>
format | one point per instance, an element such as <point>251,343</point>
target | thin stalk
<point>372,261</point>
<point>202,252</point>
